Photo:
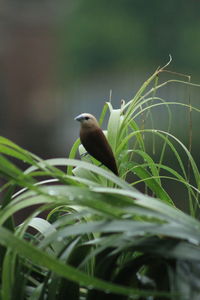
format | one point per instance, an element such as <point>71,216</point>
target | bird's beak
<point>79,118</point>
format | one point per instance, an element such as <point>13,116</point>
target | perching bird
<point>95,142</point>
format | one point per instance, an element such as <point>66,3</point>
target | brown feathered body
<point>95,142</point>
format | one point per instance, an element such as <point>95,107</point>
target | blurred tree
<point>130,34</point>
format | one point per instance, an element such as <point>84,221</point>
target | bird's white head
<point>87,120</point>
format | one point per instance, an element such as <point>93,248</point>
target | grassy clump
<point>102,238</point>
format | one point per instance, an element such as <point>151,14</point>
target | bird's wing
<point>97,145</point>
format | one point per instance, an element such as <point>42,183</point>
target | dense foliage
<point>101,238</point>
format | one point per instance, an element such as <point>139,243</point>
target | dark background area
<point>61,59</point>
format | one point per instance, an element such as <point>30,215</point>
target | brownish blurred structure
<point>28,51</point>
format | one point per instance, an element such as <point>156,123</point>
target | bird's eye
<point>86,118</point>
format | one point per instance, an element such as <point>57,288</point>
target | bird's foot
<point>84,154</point>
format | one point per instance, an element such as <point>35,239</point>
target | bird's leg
<point>84,154</point>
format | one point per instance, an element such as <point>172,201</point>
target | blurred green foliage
<point>128,34</point>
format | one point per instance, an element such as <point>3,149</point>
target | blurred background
<point>59,59</point>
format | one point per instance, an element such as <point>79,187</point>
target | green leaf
<point>39,257</point>
<point>113,128</point>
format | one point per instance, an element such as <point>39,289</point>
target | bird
<point>95,142</point>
